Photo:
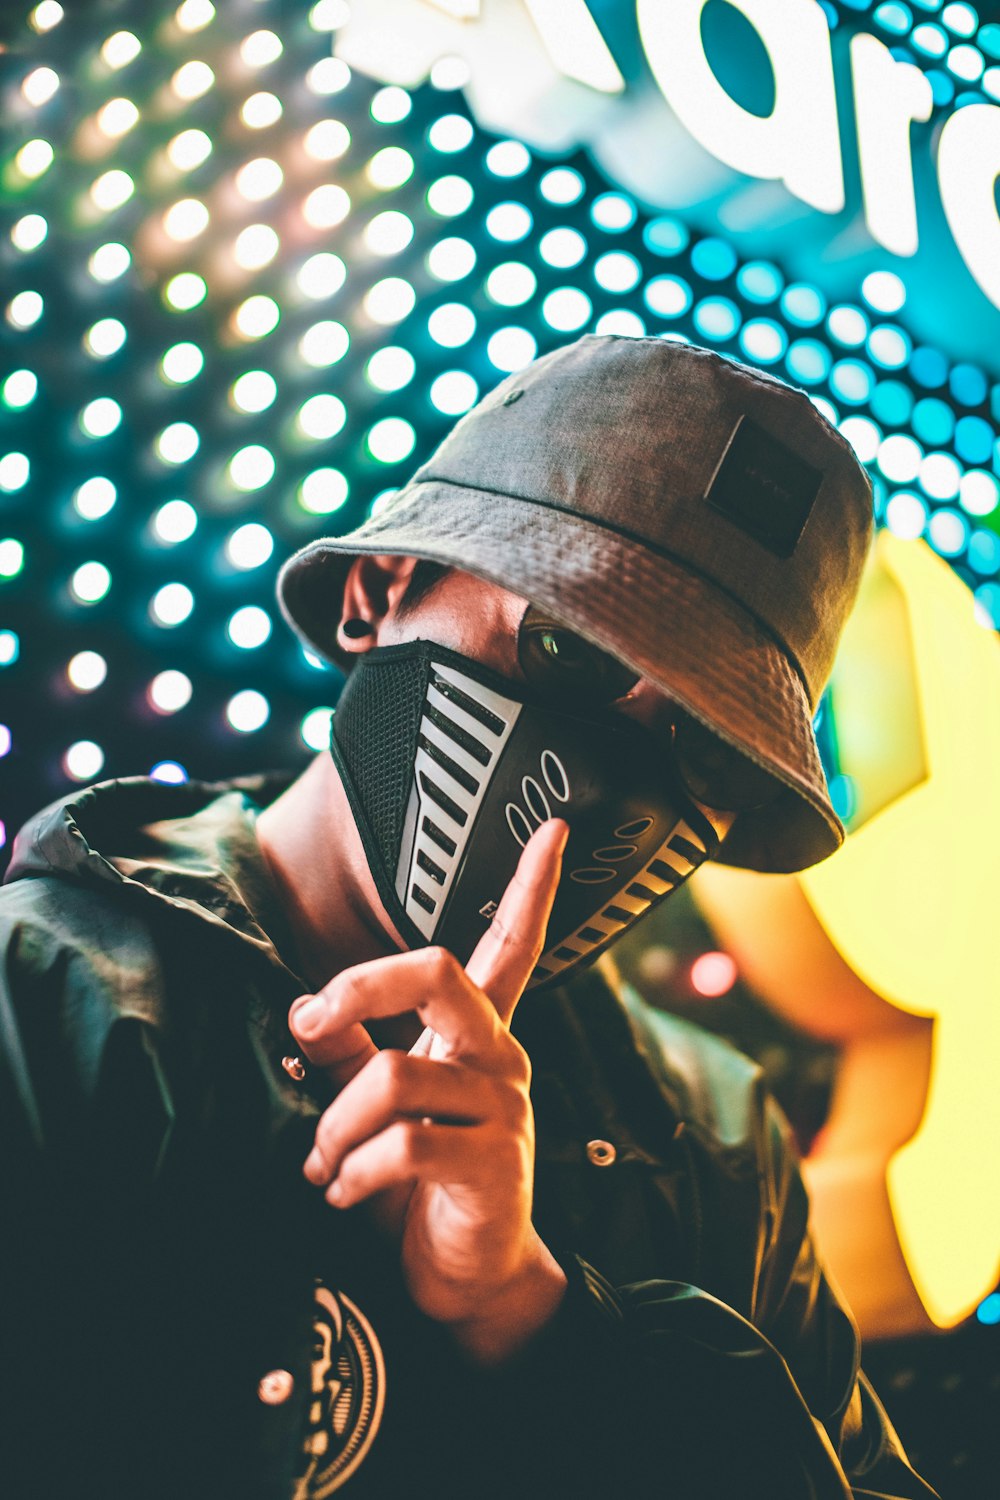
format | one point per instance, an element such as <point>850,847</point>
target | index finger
<point>512,944</point>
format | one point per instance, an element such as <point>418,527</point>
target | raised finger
<point>340,1052</point>
<point>512,944</point>
<point>394,1086</point>
<point>414,1151</point>
<point>430,981</point>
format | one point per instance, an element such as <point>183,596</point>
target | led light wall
<point>246,291</point>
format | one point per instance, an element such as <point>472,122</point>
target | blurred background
<point>257,258</point>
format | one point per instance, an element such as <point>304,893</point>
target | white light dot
<point>388,233</point>
<point>390,168</point>
<point>192,79</point>
<point>46,15</point>
<point>181,363</point>
<point>104,338</point>
<point>567,309</point>
<point>169,691</point>
<point>509,222</point>
<point>390,105</point>
<point>321,417</point>
<point>323,491</point>
<point>250,546</point>
<point>511,349</point>
<point>321,275</point>
<point>451,259</point>
<point>90,582</point>
<point>391,368</point>
<point>108,262</point>
<point>452,324</point>
<point>194,15</point>
<point>906,515</point>
<point>562,248</point>
<point>247,711</point>
<point>171,604</point>
<point>255,246</point>
<point>454,392</point>
<point>29,232</point>
<point>15,469</point>
<point>450,73</point>
<point>863,436</point>
<point>20,388</point>
<point>257,317</point>
<point>10,648</point>
<point>255,391</point>
<point>324,344</point>
<point>40,85</point>
<point>939,476</point>
<point>175,521</point>
<point>562,185</point>
<point>259,179</point>
<point>326,206</point>
<point>261,110</point>
<point>617,271</point>
<point>327,15</point>
<point>83,760</point>
<point>249,627</point>
<point>189,149</point>
<point>111,190</point>
<point>185,291</point>
<point>389,300</point>
<point>450,133</point>
<point>329,76</point>
<point>980,493</point>
<point>86,671</point>
<point>260,48</point>
<point>101,417</point>
<point>848,325</point>
<point>24,309</point>
<point>170,771</point>
<point>622,321</point>
<point>120,49</point>
<point>94,498</point>
<point>508,159</point>
<point>177,443</point>
<point>511,283</point>
<point>252,467</point>
<point>327,140</point>
<point>185,220</point>
<point>449,196</point>
<point>884,291</point>
<point>391,440</point>
<point>117,117</point>
<point>899,458</point>
<point>948,533</point>
<point>11,557</point>
<point>315,729</point>
<point>34,158</point>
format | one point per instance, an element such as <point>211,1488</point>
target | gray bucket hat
<point>697,518</point>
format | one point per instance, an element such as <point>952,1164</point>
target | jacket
<point>158,1238</point>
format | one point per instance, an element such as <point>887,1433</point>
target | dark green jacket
<point>158,1238</point>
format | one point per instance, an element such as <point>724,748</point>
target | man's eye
<point>563,663</point>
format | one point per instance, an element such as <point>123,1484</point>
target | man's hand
<point>441,1139</point>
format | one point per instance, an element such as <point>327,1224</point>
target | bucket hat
<point>699,519</point>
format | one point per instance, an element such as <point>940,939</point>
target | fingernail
<point>308,1017</point>
<point>334,1192</point>
<point>315,1167</point>
<point>563,835</point>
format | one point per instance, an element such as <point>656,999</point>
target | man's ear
<point>373,589</point>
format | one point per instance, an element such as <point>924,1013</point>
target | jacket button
<point>601,1153</point>
<point>294,1067</point>
<point>275,1387</point>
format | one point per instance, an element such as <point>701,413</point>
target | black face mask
<point>449,769</point>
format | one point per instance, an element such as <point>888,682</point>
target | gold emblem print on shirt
<point>348,1396</point>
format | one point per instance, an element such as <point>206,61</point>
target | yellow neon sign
<point>910,902</point>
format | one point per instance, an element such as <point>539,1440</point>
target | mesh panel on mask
<point>376,726</point>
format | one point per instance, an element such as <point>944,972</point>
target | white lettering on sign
<point>798,142</point>
<point>968,167</point>
<point>888,95</point>
<point>524,54</point>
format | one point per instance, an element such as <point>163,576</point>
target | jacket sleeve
<point>662,1389</point>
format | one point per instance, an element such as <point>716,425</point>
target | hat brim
<point>692,640</point>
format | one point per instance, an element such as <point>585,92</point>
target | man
<point>318,1178</point>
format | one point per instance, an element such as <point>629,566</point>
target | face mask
<point>449,768</point>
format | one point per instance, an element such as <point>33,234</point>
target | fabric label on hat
<point>764,488</point>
